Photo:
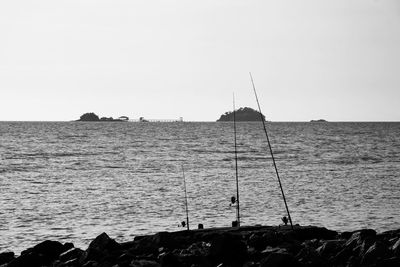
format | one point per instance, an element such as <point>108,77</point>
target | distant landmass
<point>242,114</point>
<point>93,117</point>
<point>320,120</point>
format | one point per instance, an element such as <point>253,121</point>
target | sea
<point>71,181</point>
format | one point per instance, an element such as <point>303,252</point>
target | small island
<point>242,114</point>
<point>91,116</point>
<point>320,120</point>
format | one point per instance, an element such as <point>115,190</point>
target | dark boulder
<point>6,257</point>
<point>391,262</point>
<point>152,243</point>
<point>104,243</point>
<point>330,247</point>
<point>279,260</point>
<point>356,245</point>
<point>396,248</point>
<point>308,233</point>
<point>268,251</point>
<point>67,246</point>
<point>73,253</point>
<point>257,242</point>
<point>228,249</point>
<point>272,238</point>
<point>169,260</point>
<point>144,263</point>
<point>90,264</point>
<point>376,253</point>
<point>260,241</point>
<point>42,254</point>
<point>29,258</point>
<point>342,257</point>
<point>197,249</point>
<point>308,256</point>
<point>195,254</point>
<point>51,249</point>
<point>70,263</point>
<point>125,259</point>
<point>102,249</point>
<point>205,236</point>
<point>359,236</point>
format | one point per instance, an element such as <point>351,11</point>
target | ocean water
<point>71,181</point>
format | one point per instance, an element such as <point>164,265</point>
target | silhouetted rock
<point>102,249</point>
<point>375,253</point>
<point>330,247</point>
<point>245,246</point>
<point>144,263</point>
<point>257,241</point>
<point>169,260</point>
<point>90,264</point>
<point>396,247</point>
<point>279,260</point>
<point>67,246</point>
<point>30,258</point>
<point>6,257</point>
<point>228,249</point>
<point>42,254</point>
<point>308,233</point>
<point>52,249</point>
<point>242,114</point>
<point>308,256</point>
<point>358,237</point>
<point>73,253</point>
<point>391,262</point>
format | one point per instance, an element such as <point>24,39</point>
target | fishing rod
<point>236,165</point>
<point>270,149</point>
<point>186,203</point>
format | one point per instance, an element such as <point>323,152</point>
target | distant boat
<point>123,118</point>
<point>142,119</point>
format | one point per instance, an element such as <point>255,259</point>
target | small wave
<point>246,158</point>
<point>345,161</point>
<point>371,159</point>
<point>46,155</point>
<point>22,168</point>
<point>114,167</point>
<point>204,151</point>
<point>356,160</point>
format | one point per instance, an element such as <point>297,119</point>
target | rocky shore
<point>245,246</point>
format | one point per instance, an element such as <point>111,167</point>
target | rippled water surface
<point>71,181</point>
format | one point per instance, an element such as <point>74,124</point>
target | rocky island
<point>320,120</point>
<point>248,246</point>
<point>242,114</point>
<point>93,117</point>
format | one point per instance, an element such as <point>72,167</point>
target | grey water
<point>71,181</point>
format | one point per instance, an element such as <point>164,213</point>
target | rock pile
<point>246,246</point>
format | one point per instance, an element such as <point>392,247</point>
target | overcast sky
<point>333,59</point>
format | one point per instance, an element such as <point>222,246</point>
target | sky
<point>337,60</point>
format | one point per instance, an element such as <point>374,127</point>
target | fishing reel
<point>233,201</point>
<point>285,220</point>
